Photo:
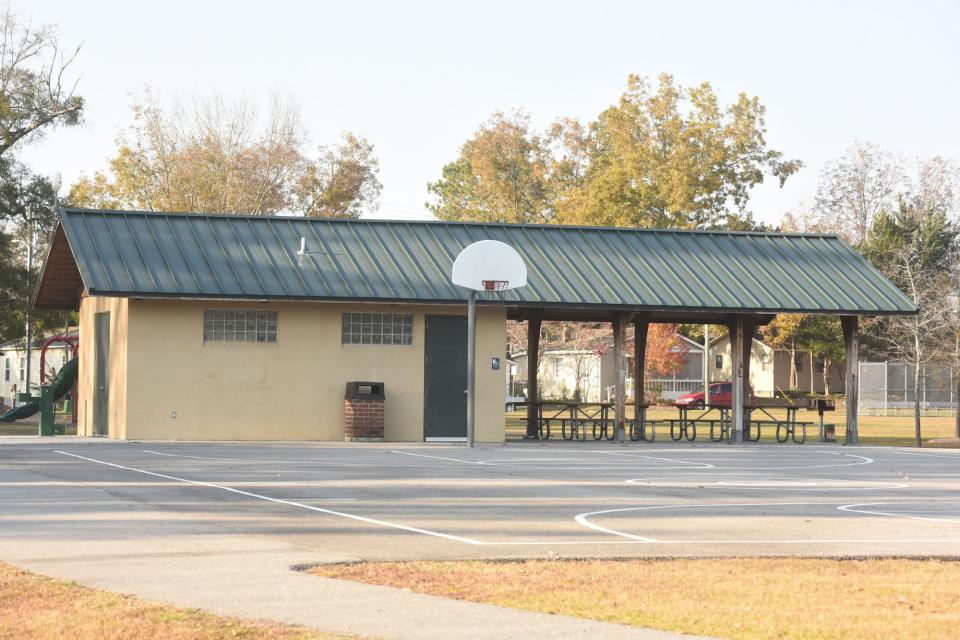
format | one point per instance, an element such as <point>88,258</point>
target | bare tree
<point>937,186</point>
<point>926,337</point>
<point>586,340</point>
<point>35,94</point>
<point>855,187</point>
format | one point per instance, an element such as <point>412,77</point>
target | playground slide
<point>64,381</point>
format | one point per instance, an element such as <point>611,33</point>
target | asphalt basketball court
<point>515,500</point>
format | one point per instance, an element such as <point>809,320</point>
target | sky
<point>418,78</point>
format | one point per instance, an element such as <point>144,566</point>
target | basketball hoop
<point>488,267</point>
<point>495,288</point>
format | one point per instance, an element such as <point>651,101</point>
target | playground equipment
<point>63,382</point>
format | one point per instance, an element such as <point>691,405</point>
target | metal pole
<point>706,364</point>
<point>471,362</point>
<point>29,276</point>
<point>886,391</point>
<point>620,357</point>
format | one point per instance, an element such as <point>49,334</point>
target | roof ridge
<point>465,223</point>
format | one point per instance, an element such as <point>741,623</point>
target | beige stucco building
<point>183,368</point>
<point>167,383</point>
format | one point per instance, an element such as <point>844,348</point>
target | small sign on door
<point>495,363</point>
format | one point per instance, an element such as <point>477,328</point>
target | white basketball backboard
<point>489,261</point>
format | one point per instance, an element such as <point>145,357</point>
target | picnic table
<point>685,427</point>
<point>721,426</point>
<point>785,429</point>
<point>582,421</point>
<point>578,420</point>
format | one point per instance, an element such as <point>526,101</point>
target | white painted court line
<point>183,455</point>
<point>583,519</point>
<point>291,503</point>
<point>863,460</point>
<point>771,484</point>
<point>560,464</point>
<point>323,499</point>
<point>698,465</point>
<point>935,475</point>
<point>926,455</point>
<point>247,460</point>
<point>313,463</point>
<point>852,508</point>
<point>423,455</point>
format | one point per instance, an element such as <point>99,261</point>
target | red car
<point>721,394</point>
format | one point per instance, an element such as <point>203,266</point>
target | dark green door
<point>101,373</point>
<point>445,377</point>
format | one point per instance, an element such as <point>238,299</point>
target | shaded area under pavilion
<point>741,327</point>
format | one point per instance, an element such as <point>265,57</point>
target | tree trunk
<point>793,366</point>
<point>826,377</point>
<point>916,404</point>
<point>956,383</point>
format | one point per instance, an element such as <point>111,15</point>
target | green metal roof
<point>139,254</point>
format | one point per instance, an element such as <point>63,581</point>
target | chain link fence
<point>888,388</point>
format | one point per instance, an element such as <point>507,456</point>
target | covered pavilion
<point>164,276</point>
<point>740,280</point>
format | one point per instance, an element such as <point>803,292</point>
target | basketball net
<point>494,289</point>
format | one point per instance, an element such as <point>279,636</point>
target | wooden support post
<point>736,374</point>
<point>851,387</point>
<point>620,358</point>
<point>749,325</point>
<point>534,320</point>
<point>641,324</point>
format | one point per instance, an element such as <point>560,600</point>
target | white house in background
<point>565,371</point>
<point>690,377</point>
<point>13,367</point>
<point>762,365</point>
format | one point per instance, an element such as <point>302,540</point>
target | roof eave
<point>510,304</point>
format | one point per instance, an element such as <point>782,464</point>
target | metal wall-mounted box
<point>365,390</point>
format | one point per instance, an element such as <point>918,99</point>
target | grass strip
<point>739,598</point>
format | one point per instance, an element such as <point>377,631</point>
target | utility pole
<point>29,288</point>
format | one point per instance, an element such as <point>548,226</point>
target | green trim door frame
<point>101,374</point>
